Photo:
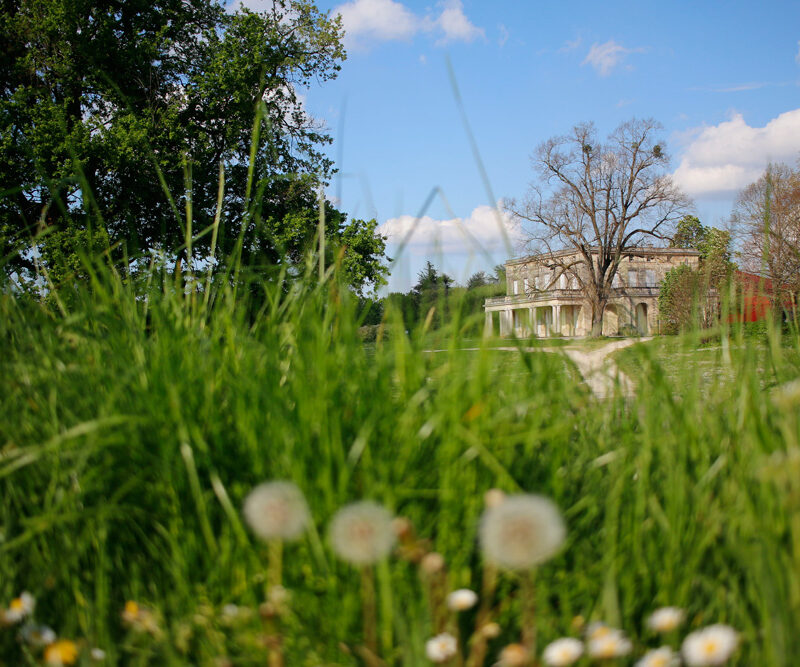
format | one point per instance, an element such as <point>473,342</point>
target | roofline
<point>643,250</point>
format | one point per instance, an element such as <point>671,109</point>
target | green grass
<point>134,425</point>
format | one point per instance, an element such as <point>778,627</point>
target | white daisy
<point>462,599</point>
<point>521,532</point>
<point>37,635</point>
<point>561,652</point>
<point>666,619</point>
<point>19,608</point>
<point>712,645</point>
<point>612,644</point>
<point>659,657</point>
<point>441,647</point>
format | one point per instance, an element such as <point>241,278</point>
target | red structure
<point>758,297</point>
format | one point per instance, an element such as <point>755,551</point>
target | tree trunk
<point>598,308</point>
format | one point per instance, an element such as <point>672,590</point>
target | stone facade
<point>543,296</point>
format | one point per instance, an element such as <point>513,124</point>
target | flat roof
<point>641,250</point>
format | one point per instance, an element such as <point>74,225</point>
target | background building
<point>544,295</point>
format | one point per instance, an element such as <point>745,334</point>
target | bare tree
<point>766,218</point>
<point>600,199</point>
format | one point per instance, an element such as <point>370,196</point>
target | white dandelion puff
<point>97,654</point>
<point>659,657</point>
<point>665,619</point>
<point>609,645</point>
<point>277,510</point>
<point>712,645</point>
<point>462,599</point>
<point>441,647</point>
<point>562,652</point>
<point>521,532</point>
<point>361,533</point>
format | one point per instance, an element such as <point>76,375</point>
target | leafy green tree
<point>118,116</point>
<point>690,298</point>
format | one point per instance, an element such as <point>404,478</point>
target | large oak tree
<point>600,199</point>
<point>114,114</point>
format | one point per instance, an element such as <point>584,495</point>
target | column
<point>558,320</point>
<point>487,328</point>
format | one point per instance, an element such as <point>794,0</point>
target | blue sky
<point>722,78</point>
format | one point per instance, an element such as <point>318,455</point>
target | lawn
<point>134,428</point>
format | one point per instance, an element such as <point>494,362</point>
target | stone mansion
<point>543,299</point>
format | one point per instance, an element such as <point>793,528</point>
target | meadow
<point>136,421</point>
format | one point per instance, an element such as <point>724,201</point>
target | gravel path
<point>599,372</point>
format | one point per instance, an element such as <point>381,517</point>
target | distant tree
<point>677,299</point>
<point>689,233</point>
<point>477,280</point>
<point>600,199</point>
<point>689,298</point>
<point>766,217</point>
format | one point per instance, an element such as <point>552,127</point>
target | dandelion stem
<point>274,579</point>
<point>275,567</point>
<point>477,654</point>
<point>529,611</point>
<point>369,609</point>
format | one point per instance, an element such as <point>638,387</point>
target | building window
<point>632,281</point>
<point>562,281</point>
<point>650,278</point>
<point>525,285</point>
<point>615,280</point>
<point>516,287</point>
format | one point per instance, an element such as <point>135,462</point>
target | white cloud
<point>370,21</point>
<point>478,233</point>
<point>455,25</point>
<point>504,35</point>
<point>377,20</point>
<point>605,57</point>
<point>725,158</point>
<point>571,45</point>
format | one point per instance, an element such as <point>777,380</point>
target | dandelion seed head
<point>462,599</point>
<point>441,647</point>
<point>97,654</point>
<point>609,645</point>
<point>521,532</point>
<point>361,533</point>
<point>665,619</point>
<point>62,652</point>
<point>277,511</point>
<point>660,657</point>
<point>562,652</point>
<point>712,645</point>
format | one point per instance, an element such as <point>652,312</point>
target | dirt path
<point>599,372</point>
